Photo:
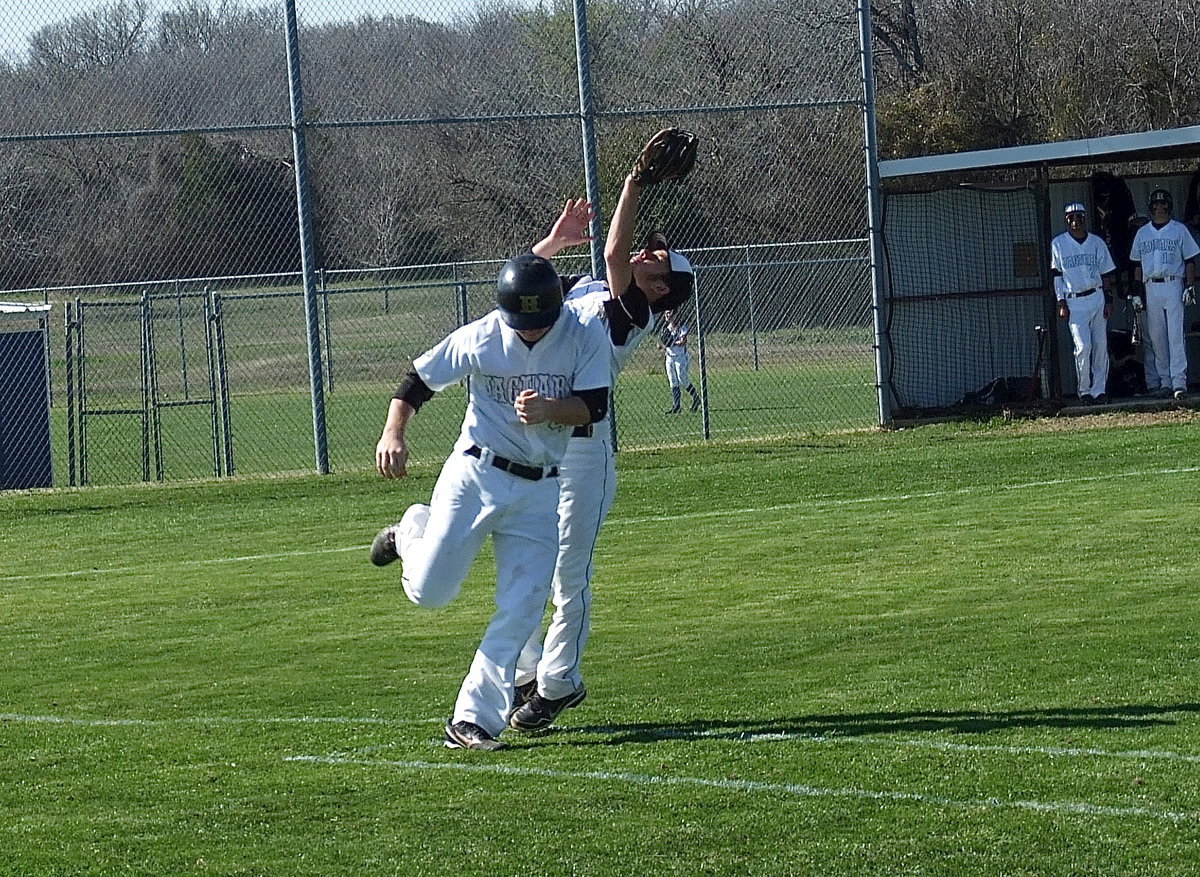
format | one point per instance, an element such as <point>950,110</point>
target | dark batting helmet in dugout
<point>1160,195</point>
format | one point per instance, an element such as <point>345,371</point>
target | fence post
<point>183,363</point>
<point>703,361</point>
<point>753,309</point>
<point>871,150</point>
<point>81,387</point>
<point>144,320</point>
<point>587,117</point>
<point>218,342</point>
<point>69,320</point>
<point>304,218</point>
<point>210,353</point>
<point>328,333</point>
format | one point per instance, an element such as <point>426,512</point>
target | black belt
<point>1163,278</point>
<point>582,431</point>
<point>512,467</point>
<point>1081,294</point>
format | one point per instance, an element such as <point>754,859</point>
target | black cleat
<point>383,549</point>
<point>468,735</point>
<point>541,712</point>
<point>522,694</point>
<point>695,401</point>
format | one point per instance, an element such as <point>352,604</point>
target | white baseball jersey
<point>586,298</point>
<point>1081,263</point>
<point>1162,251</point>
<point>671,338</point>
<point>574,355</point>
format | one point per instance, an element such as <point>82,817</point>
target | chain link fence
<point>171,318</point>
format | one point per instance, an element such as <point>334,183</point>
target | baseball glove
<point>670,155</point>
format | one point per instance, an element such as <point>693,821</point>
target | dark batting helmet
<point>1161,195</point>
<point>529,292</point>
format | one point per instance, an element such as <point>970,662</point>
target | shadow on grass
<point>861,724</point>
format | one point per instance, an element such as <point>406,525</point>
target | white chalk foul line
<point>211,720</point>
<point>1078,808</point>
<point>207,561</point>
<point>942,745</point>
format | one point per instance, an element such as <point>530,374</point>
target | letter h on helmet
<point>529,292</point>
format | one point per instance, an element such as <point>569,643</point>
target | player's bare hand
<point>391,457</point>
<point>532,408</point>
<point>573,224</point>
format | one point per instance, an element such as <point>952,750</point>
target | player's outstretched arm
<point>620,237</point>
<point>391,452</point>
<point>570,229</point>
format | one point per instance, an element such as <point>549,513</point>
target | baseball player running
<point>674,344</point>
<point>1163,250</point>
<point>1083,272</point>
<point>537,370</point>
<point>549,678</point>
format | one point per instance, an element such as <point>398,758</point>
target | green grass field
<point>952,650</point>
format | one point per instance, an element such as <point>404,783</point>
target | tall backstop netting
<point>247,218</point>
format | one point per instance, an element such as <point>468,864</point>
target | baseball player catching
<point>656,278</point>
<point>1083,272</point>
<point>1163,250</point>
<point>537,371</point>
<point>678,362</point>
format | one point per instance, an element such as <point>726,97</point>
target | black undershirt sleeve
<point>568,283</point>
<point>625,312</point>
<point>596,401</point>
<point>413,390</point>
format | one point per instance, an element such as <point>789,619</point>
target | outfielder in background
<point>549,674</point>
<point>537,371</point>
<point>674,344</point>
<point>1163,250</point>
<point>1083,272</point>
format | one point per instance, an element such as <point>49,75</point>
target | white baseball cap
<point>1075,207</point>
<point>680,263</point>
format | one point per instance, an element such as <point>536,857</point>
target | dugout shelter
<point>25,458</point>
<point>967,290</point>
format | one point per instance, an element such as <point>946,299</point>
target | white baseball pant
<point>587,486</point>
<point>1089,332</point>
<point>471,500</point>
<point>1164,329</point>
<point>677,371</point>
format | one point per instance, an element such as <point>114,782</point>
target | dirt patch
<point>1106,420</point>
